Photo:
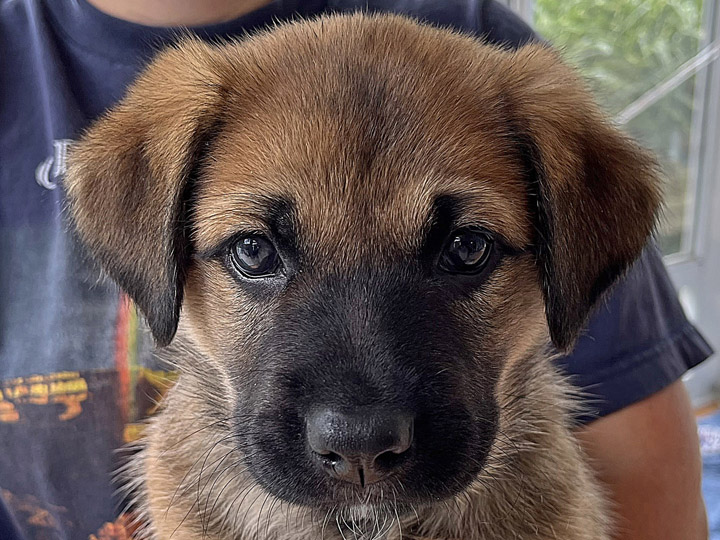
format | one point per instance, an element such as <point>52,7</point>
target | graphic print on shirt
<point>77,421</point>
<point>52,168</point>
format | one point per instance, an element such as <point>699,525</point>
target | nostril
<point>331,458</point>
<point>406,436</point>
<point>392,458</point>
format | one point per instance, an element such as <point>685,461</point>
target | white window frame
<point>696,272</point>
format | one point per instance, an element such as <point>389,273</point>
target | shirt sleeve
<point>638,340</point>
<point>499,25</point>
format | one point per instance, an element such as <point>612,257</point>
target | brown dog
<point>368,231</point>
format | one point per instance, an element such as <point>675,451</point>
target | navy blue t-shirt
<point>76,371</point>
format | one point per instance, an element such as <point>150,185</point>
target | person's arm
<point>647,455</point>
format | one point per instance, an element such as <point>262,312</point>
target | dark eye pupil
<point>466,252</point>
<point>255,256</point>
<point>468,249</point>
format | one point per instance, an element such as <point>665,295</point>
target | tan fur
<point>451,111</point>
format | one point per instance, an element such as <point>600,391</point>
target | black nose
<point>363,447</point>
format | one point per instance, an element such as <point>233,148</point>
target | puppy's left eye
<point>467,251</point>
<point>254,256</point>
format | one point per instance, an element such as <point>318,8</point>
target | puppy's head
<point>362,221</point>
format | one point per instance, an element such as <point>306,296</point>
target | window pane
<point>625,48</point>
<point>666,128</point>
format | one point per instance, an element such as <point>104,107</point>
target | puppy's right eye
<point>255,256</point>
<point>467,251</point>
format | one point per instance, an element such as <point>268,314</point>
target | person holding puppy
<point>76,366</point>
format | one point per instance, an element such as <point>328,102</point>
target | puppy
<point>366,233</point>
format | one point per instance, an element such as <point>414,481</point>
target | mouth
<point>368,521</point>
<point>356,503</point>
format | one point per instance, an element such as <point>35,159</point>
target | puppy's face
<point>364,222</point>
<point>358,276</point>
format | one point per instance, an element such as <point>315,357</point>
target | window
<point>653,65</point>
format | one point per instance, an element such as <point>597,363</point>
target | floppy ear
<point>596,193</point>
<point>129,179</point>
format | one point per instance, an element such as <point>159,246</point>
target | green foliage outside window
<point>624,48</point>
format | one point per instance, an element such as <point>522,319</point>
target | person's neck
<point>177,12</point>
